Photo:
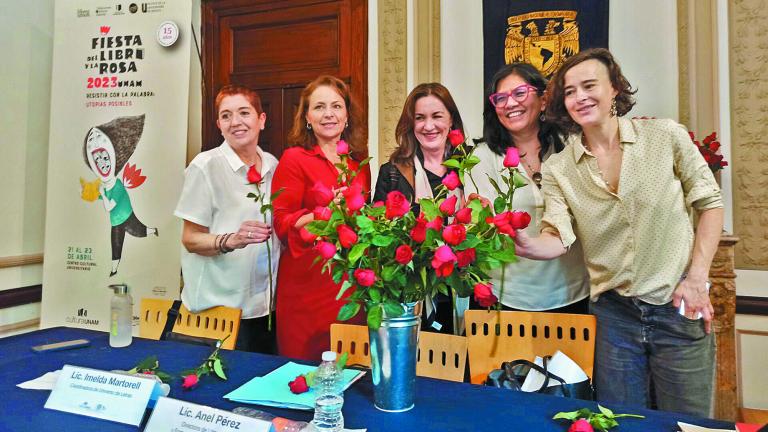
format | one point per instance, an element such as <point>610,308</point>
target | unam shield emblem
<point>547,51</point>
<point>543,52</point>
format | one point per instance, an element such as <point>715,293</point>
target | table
<point>440,405</point>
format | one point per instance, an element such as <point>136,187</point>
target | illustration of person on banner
<point>543,34</point>
<point>106,150</point>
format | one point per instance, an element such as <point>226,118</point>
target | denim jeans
<point>637,342</point>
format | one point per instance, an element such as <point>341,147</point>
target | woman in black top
<point>416,167</point>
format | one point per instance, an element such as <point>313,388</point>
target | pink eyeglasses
<point>519,94</point>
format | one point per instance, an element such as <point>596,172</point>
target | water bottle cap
<point>329,356</point>
<point>119,288</point>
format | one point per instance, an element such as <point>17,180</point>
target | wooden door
<point>276,47</point>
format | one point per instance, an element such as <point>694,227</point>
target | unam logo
<point>133,7</point>
<point>82,312</point>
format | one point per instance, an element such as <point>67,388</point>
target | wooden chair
<point>213,323</point>
<point>439,355</point>
<point>498,336</point>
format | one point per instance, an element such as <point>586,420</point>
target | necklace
<point>535,175</point>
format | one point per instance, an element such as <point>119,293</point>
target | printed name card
<point>175,415</point>
<point>101,394</point>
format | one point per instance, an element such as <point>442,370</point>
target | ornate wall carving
<point>393,68</point>
<point>748,23</point>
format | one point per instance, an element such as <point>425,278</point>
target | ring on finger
<point>250,234</point>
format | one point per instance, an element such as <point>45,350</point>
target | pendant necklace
<point>535,175</point>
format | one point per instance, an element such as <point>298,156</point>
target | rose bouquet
<point>709,147</point>
<point>384,255</point>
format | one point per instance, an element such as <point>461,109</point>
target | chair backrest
<point>213,323</point>
<point>439,355</point>
<point>498,336</point>
<point>442,356</point>
<point>352,339</point>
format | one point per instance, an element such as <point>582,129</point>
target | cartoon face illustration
<point>101,154</point>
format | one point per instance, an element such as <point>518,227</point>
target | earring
<point>542,117</point>
<point>309,126</point>
<point>346,124</point>
<point>613,108</point>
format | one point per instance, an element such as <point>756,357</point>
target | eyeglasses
<point>519,94</point>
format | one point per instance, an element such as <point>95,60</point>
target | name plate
<point>180,416</point>
<point>101,394</point>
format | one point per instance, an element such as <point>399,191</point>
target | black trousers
<point>254,336</point>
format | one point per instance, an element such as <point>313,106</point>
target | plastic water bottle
<point>329,397</point>
<point>279,424</point>
<point>120,317</point>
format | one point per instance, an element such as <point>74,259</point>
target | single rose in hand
<point>322,193</point>
<point>298,385</point>
<point>581,425</point>
<point>455,137</point>
<point>397,205</point>
<point>451,180</point>
<point>190,381</point>
<point>403,254</point>
<point>484,295</point>
<point>342,148</point>
<point>347,236</point>
<point>365,277</point>
<point>512,158</point>
<point>253,175</point>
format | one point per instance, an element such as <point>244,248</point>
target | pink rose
<point>512,159</point>
<point>322,193</point>
<point>455,137</point>
<point>190,381</point>
<point>397,205</point>
<point>347,236</point>
<point>484,295</point>
<point>342,148</point>
<point>365,277</point>
<point>403,254</point>
<point>465,257</point>
<point>443,261</point>
<point>326,249</point>
<point>448,206</point>
<point>452,181</point>
<point>436,223</point>
<point>464,215</point>
<point>419,231</point>
<point>253,175</point>
<point>454,234</point>
<point>378,203</point>
<point>322,213</point>
<point>581,425</point>
<point>354,198</point>
<point>306,236</point>
<point>299,385</point>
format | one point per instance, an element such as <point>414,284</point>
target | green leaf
<point>164,377</point>
<point>149,363</point>
<point>388,272</point>
<point>348,311</point>
<point>265,208</point>
<point>364,162</point>
<point>374,317</point>
<point>452,163</point>
<point>393,309</point>
<point>341,363</point>
<point>605,411</point>
<point>252,195</point>
<point>499,204</point>
<point>429,208</point>
<point>374,294</point>
<point>572,415</point>
<point>310,377</point>
<point>518,180</point>
<point>382,240</point>
<point>495,185</point>
<point>337,273</point>
<point>506,255</point>
<point>476,206</point>
<point>218,369</point>
<point>344,287</point>
<point>356,252</point>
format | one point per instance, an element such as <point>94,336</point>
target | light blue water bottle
<point>329,397</point>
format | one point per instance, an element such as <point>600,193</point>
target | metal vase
<point>393,361</point>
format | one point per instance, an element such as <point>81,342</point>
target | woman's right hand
<point>250,232</point>
<point>483,200</point>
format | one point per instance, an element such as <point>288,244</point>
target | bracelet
<point>216,243</point>
<point>223,244</point>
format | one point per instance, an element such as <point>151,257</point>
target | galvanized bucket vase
<point>393,361</point>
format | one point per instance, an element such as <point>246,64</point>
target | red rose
<point>322,193</point>
<point>190,381</point>
<point>347,236</point>
<point>452,181</point>
<point>306,236</point>
<point>253,175</point>
<point>354,198</point>
<point>365,277</point>
<point>397,205</point>
<point>714,145</point>
<point>378,203</point>
<point>512,159</point>
<point>454,234</point>
<point>419,231</point>
<point>298,385</point>
<point>465,257</point>
<point>484,295</point>
<point>502,223</point>
<point>326,249</point>
<point>448,206</point>
<point>443,261</point>
<point>403,254</point>
<point>581,425</point>
<point>464,215</point>
<point>436,223</point>
<point>519,219</point>
<point>455,137</point>
<point>322,213</point>
<point>342,148</point>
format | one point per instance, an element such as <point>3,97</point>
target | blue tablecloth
<point>440,405</point>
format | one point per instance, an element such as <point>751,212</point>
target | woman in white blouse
<point>513,117</point>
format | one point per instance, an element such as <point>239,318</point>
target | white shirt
<point>215,196</point>
<point>529,284</point>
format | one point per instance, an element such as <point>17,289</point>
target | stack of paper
<point>272,389</point>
